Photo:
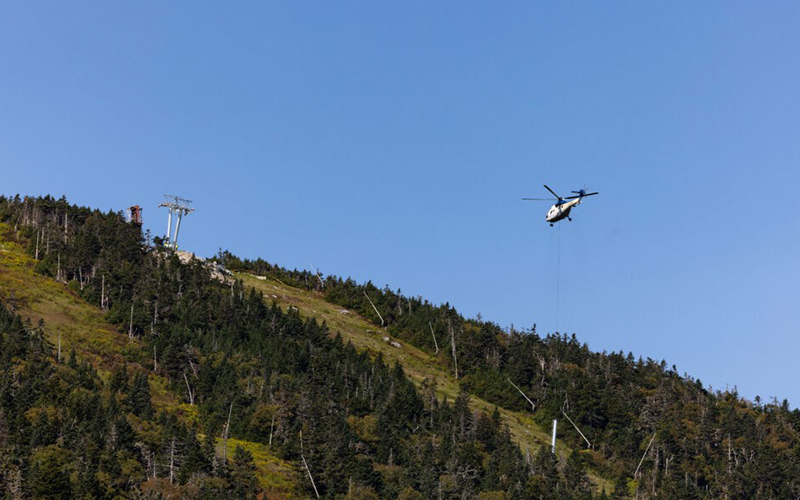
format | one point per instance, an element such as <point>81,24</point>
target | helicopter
<point>563,207</point>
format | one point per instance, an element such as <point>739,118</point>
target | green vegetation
<point>421,367</point>
<point>79,325</point>
<point>276,477</point>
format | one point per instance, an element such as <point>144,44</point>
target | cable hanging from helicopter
<point>560,211</point>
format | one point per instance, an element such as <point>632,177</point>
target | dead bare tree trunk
<point>155,318</point>
<point>453,345</point>
<point>588,444</point>
<point>316,273</point>
<point>644,455</point>
<point>533,406</point>
<point>130,327</point>
<point>436,344</point>
<point>271,426</point>
<point>172,461</point>
<point>373,306</point>
<point>189,390</point>
<point>305,464</point>
<point>225,436</point>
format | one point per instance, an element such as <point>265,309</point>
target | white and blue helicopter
<point>563,206</point>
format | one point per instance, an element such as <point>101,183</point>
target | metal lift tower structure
<point>178,207</point>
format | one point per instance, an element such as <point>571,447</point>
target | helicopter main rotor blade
<point>581,196</point>
<point>554,193</point>
<point>539,199</point>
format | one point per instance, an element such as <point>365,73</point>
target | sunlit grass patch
<point>278,478</point>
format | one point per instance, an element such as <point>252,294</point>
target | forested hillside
<point>639,416</point>
<point>205,388</point>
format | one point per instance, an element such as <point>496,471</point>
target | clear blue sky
<point>392,141</point>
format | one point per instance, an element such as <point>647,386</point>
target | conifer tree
<point>243,475</point>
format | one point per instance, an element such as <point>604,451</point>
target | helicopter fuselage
<point>563,206</point>
<point>561,211</point>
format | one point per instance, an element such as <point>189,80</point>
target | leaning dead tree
<point>189,389</point>
<point>317,274</point>
<point>644,455</point>
<point>225,435</point>
<point>434,337</point>
<point>533,406</point>
<point>588,444</point>
<point>373,306</point>
<point>305,465</point>
<point>309,475</point>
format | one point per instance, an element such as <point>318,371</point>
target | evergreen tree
<point>140,396</point>
<point>49,474</point>
<point>243,475</point>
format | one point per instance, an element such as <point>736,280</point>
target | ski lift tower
<point>178,207</point>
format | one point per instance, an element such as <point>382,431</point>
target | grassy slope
<point>82,327</point>
<point>418,365</point>
<point>68,317</point>
<point>278,478</point>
